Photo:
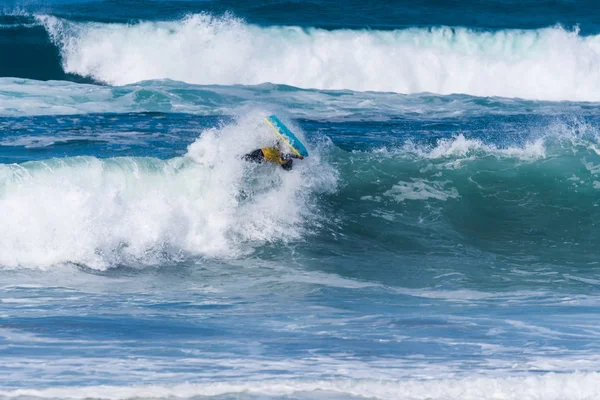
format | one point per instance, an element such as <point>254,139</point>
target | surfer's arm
<point>290,156</point>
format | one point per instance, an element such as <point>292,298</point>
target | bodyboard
<point>287,136</point>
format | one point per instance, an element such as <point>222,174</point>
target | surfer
<point>273,155</point>
<point>276,154</point>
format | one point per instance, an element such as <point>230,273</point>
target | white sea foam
<point>460,147</point>
<point>422,189</point>
<point>103,212</point>
<point>550,63</point>
<point>574,386</point>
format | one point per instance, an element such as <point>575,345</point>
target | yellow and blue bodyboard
<point>287,136</point>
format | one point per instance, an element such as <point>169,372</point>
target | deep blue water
<point>440,241</point>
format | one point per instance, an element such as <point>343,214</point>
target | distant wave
<point>547,64</point>
<point>547,386</point>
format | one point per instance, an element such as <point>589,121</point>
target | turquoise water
<point>440,242</point>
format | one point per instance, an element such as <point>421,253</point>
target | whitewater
<point>440,241</point>
<point>132,210</point>
<point>207,50</point>
<point>553,63</point>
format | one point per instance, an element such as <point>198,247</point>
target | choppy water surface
<point>440,242</point>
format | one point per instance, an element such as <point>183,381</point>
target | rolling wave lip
<point>27,51</point>
<point>551,63</point>
<point>544,64</point>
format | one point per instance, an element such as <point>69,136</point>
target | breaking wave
<point>546,64</point>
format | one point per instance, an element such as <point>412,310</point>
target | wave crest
<point>143,211</point>
<point>548,64</point>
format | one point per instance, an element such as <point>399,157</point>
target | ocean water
<point>441,242</point>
